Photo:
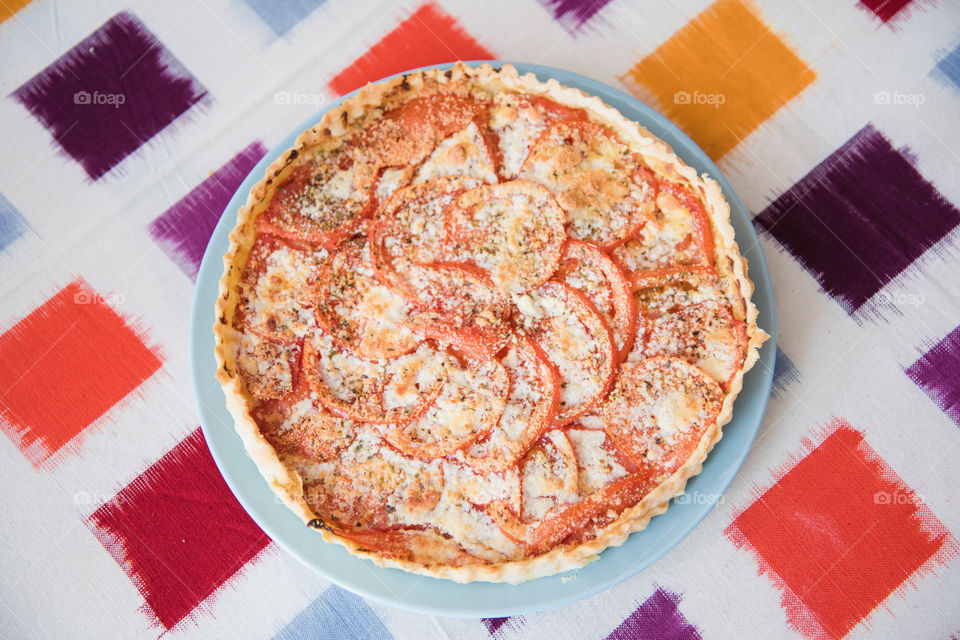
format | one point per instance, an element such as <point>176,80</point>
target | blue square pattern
<point>12,224</point>
<point>337,613</point>
<point>947,71</point>
<point>283,15</point>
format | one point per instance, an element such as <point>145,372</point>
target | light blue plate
<point>442,597</point>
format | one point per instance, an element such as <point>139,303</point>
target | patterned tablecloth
<point>126,127</point>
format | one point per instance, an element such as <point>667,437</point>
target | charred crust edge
<point>320,525</point>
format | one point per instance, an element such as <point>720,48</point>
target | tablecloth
<point>126,127</point>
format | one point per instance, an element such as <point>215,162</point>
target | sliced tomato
<point>577,341</point>
<point>469,405</point>
<point>688,275</point>
<point>549,476</point>
<point>407,134</point>
<point>677,288</point>
<point>459,305</point>
<point>270,413</point>
<point>389,181</point>
<point>686,314</point>
<point>517,121</point>
<point>513,230</point>
<point>395,391</point>
<point>463,484</point>
<point>704,232</point>
<point>677,235</point>
<point>604,188</point>
<point>592,272</point>
<point>659,410</point>
<point>540,537</point>
<point>314,435</point>
<point>410,544</point>
<point>358,311</point>
<point>530,408</point>
<point>409,230</point>
<point>704,334</point>
<point>323,200</point>
<point>373,489</point>
<point>472,342</point>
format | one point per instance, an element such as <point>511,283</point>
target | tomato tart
<point>481,327</point>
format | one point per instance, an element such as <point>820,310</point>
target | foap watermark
<point>695,497</point>
<point>711,99</point>
<point>897,497</point>
<point>899,98</point>
<point>95,497</point>
<point>113,99</point>
<point>92,297</point>
<point>902,299</point>
<point>298,97</point>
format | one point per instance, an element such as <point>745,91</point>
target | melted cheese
<point>275,303</point>
<point>514,233</point>
<point>517,126</point>
<point>462,154</point>
<point>519,421</point>
<point>363,312</point>
<point>390,181</point>
<point>470,402</point>
<point>567,341</point>
<point>704,334</point>
<point>549,476</point>
<point>409,375</point>
<point>598,465</point>
<point>655,246</point>
<point>594,178</point>
<point>264,366</point>
<point>334,196</point>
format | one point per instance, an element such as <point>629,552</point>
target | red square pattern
<point>428,36</point>
<point>64,366</point>
<point>840,532</point>
<point>178,531</point>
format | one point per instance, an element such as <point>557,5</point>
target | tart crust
<point>729,263</point>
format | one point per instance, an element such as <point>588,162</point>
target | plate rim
<point>258,507</point>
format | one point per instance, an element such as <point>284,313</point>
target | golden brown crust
<point>288,485</point>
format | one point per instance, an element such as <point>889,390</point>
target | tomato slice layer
<point>514,231</point>
<point>599,462</point>
<point>323,200</point>
<point>600,279</point>
<point>464,154</point>
<point>311,432</point>
<point>410,230</point>
<point>266,368</point>
<point>358,311</point>
<point>704,334</point>
<point>685,314</point>
<point>459,305</point>
<point>518,121</point>
<point>407,134</point>
<point>659,410</point>
<point>677,234</point>
<point>549,476</point>
<point>605,190</point>
<point>576,340</point>
<point>370,487</point>
<point>394,391</point>
<point>530,408</point>
<point>276,290</point>
<point>469,405</point>
<point>576,520</point>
